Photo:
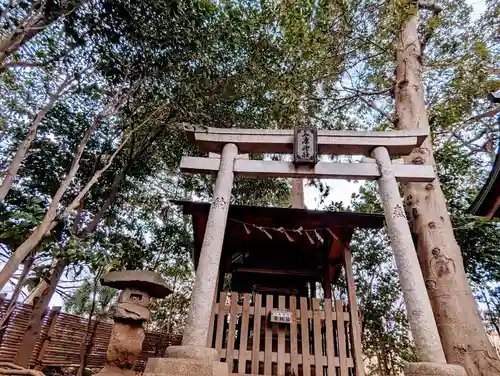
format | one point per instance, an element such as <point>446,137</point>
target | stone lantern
<point>131,311</point>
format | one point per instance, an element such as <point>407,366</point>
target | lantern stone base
<point>187,361</point>
<point>433,369</point>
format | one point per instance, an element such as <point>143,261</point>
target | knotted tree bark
<point>461,329</point>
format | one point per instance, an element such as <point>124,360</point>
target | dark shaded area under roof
<point>273,258</point>
<point>487,202</point>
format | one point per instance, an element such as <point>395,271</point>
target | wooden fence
<point>60,340</point>
<point>318,341</point>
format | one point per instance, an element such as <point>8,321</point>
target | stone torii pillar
<point>194,357</point>
<point>432,361</point>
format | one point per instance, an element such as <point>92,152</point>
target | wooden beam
<point>322,170</point>
<point>275,272</point>
<point>329,142</point>
<point>292,217</point>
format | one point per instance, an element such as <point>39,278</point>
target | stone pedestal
<point>433,369</point>
<point>125,344</point>
<point>187,361</point>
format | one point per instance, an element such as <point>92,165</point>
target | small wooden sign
<point>305,145</point>
<point>280,316</point>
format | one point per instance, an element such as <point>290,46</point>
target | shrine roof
<point>243,224</point>
<point>486,202</point>
<point>293,217</point>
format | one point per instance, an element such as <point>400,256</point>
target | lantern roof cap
<point>147,281</point>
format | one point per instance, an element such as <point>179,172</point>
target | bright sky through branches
<point>341,190</point>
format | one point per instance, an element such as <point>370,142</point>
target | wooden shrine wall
<point>316,343</point>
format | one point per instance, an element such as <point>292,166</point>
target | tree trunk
<point>48,222</point>
<point>28,28</point>
<point>379,361</point>
<point>83,345</point>
<point>46,283</point>
<point>40,305</point>
<point>15,164</point>
<point>91,344</point>
<point>27,264</point>
<point>461,329</point>
<point>115,188</point>
<point>43,285</point>
<point>29,244</point>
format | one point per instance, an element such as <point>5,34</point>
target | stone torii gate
<point>195,357</point>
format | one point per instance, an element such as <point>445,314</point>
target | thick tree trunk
<point>461,329</point>
<point>40,305</point>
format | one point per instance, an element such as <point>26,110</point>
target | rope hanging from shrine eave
<point>310,233</point>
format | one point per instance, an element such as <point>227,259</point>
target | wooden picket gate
<point>318,341</point>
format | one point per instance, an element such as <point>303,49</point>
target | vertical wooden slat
<point>304,326</point>
<point>256,334</point>
<point>318,353</point>
<point>219,332</point>
<point>330,352</point>
<point>212,321</point>
<point>339,310</point>
<point>232,328</point>
<point>293,336</point>
<point>268,349</point>
<point>46,341</point>
<point>281,340</point>
<point>242,360</point>
<point>353,310</point>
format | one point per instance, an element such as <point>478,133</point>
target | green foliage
<point>18,219</point>
<point>81,302</point>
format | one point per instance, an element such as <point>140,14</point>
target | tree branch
<point>376,108</point>
<point>23,147</point>
<point>453,64</point>
<point>486,114</point>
